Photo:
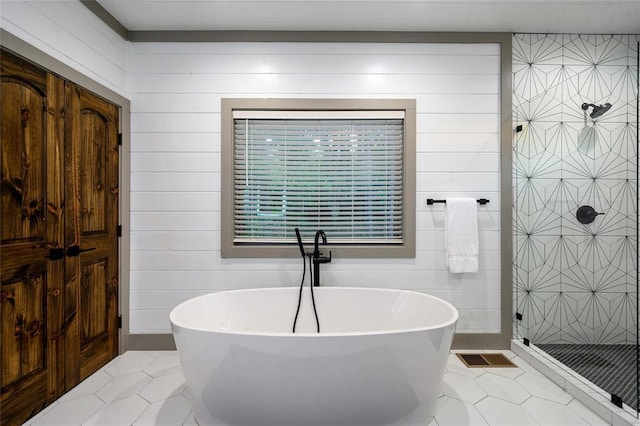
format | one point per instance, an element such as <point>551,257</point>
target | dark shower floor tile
<point>612,367</point>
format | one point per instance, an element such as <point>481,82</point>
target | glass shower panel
<point>575,204</point>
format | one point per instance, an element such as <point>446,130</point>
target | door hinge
<point>119,321</point>
<point>120,139</point>
<point>119,232</point>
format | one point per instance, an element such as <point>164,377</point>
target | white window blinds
<point>341,175</point>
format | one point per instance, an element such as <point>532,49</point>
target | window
<point>340,165</point>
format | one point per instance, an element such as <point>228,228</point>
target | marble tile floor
<point>148,388</point>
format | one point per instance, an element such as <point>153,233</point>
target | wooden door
<point>91,267</point>
<point>58,231</point>
<point>32,224</point>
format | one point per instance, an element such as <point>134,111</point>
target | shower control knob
<point>586,214</point>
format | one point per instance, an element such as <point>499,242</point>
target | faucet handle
<point>324,259</point>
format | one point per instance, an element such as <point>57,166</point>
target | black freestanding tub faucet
<point>317,258</point>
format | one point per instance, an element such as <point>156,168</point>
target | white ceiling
<point>536,16</point>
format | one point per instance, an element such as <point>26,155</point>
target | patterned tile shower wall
<point>574,282</point>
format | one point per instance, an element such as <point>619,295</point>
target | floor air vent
<point>485,360</point>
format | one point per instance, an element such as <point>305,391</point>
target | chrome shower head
<point>598,110</point>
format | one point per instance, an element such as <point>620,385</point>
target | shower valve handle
<point>586,214</point>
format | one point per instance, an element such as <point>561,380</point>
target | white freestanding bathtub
<point>379,359</point>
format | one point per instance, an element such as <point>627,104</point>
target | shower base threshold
<point>613,368</point>
<point>580,388</point>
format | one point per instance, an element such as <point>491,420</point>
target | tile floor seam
<point>140,415</point>
<point>103,401</point>
<point>486,420</point>
<point>529,413</point>
<point>482,415</point>
<point>150,402</point>
<point>530,396</point>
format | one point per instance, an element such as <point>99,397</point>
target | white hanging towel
<point>461,235</point>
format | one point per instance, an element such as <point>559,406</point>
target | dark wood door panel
<point>30,306</point>
<point>20,260</point>
<point>11,66</point>
<point>93,172</point>
<point>55,233</point>
<point>23,156</point>
<point>91,154</point>
<point>24,401</point>
<point>90,303</point>
<point>23,329</point>
<point>91,166</point>
<point>93,301</point>
<point>59,197</point>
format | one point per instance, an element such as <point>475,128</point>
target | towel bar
<point>431,201</point>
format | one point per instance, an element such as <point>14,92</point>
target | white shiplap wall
<point>175,90</point>
<point>70,33</point>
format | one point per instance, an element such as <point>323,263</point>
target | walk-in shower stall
<point>575,172</point>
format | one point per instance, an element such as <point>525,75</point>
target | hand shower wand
<point>304,268</point>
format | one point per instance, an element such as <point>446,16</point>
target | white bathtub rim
<point>449,323</point>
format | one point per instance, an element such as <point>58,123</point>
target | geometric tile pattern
<point>136,388</point>
<point>573,282</point>
<point>469,396</point>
